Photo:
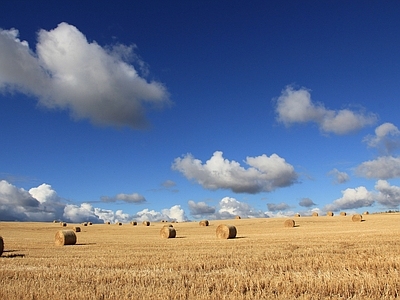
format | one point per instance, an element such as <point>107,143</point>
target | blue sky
<point>136,110</point>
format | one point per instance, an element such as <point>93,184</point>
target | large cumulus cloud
<point>69,72</point>
<point>264,174</point>
<point>296,106</point>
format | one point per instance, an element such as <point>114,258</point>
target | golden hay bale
<point>168,225</point>
<point>1,245</point>
<point>315,214</point>
<point>108,223</point>
<point>342,213</point>
<point>90,223</point>
<point>63,224</point>
<point>226,231</point>
<point>289,223</point>
<point>297,215</point>
<point>204,223</point>
<point>119,223</point>
<point>168,232</point>
<point>237,217</point>
<point>365,213</point>
<point>65,237</point>
<point>84,224</point>
<point>134,223</point>
<point>356,218</point>
<point>330,213</point>
<point>146,223</point>
<point>76,229</point>
<point>55,221</point>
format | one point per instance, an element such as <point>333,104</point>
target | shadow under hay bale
<point>77,229</point>
<point>65,237</point>
<point>315,214</point>
<point>289,223</point>
<point>330,214</point>
<point>204,223</point>
<point>1,245</point>
<point>168,232</point>
<point>357,218</point>
<point>226,231</point>
<point>146,223</point>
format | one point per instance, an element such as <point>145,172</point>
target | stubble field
<point>321,258</point>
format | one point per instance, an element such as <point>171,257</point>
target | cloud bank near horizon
<point>69,72</point>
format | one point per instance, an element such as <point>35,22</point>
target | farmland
<point>320,258</point>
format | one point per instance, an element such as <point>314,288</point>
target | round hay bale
<point>237,217</point>
<point>168,225</point>
<point>65,237</point>
<point>356,218</point>
<point>77,229</point>
<point>330,213</point>
<point>134,223</point>
<point>342,213</point>
<point>315,214</point>
<point>289,223</point>
<point>365,213</point>
<point>168,232</point>
<point>226,231</point>
<point>119,223</point>
<point>204,223</point>
<point>90,223</point>
<point>55,221</point>
<point>84,224</point>
<point>108,222</point>
<point>1,245</point>
<point>63,224</point>
<point>297,215</point>
<point>146,223</point>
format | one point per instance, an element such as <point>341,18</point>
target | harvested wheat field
<point>320,258</point>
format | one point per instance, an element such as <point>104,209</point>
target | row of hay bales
<point>330,214</point>
<point>68,237</point>
<point>292,223</point>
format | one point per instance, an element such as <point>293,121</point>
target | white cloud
<point>296,106</point>
<point>339,177</point>
<point>68,72</point>
<point>384,167</point>
<point>79,213</point>
<point>386,138</point>
<point>230,207</point>
<point>174,213</point>
<point>277,207</point>
<point>389,195</point>
<point>352,199</point>
<point>264,174</point>
<point>200,209</point>
<point>128,198</point>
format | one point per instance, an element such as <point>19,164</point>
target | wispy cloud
<point>296,106</point>
<point>339,177</point>
<point>69,72</point>
<point>277,207</point>
<point>128,198</point>
<point>264,174</point>
<point>386,138</point>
